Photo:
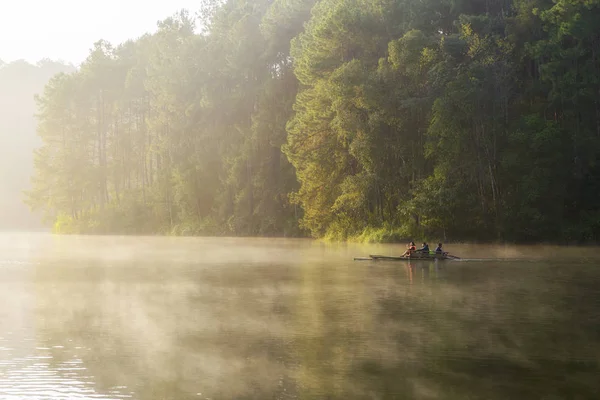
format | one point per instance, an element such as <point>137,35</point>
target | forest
<point>19,82</point>
<point>378,120</point>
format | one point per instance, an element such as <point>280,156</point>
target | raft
<point>413,257</point>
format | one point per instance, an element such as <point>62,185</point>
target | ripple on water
<point>40,376</point>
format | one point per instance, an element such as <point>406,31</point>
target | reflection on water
<point>164,318</point>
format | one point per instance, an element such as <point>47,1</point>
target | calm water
<point>166,318</point>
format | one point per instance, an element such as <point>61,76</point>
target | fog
<point>178,133</point>
<point>33,52</point>
<point>178,318</point>
<point>66,29</point>
<point>19,82</point>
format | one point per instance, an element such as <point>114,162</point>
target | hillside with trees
<point>19,83</point>
<point>377,120</point>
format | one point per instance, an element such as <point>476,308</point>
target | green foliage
<point>389,234</point>
<point>175,133</point>
<point>345,119</point>
<point>19,82</point>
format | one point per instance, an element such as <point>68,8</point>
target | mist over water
<point>223,318</point>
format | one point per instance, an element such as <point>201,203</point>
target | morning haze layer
<point>19,82</point>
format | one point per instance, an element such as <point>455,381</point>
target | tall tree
<point>20,82</point>
<point>377,120</point>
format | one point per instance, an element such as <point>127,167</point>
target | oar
<point>452,257</point>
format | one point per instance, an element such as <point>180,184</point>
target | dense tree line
<point>19,82</point>
<point>379,119</point>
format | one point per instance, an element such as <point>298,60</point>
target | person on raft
<point>424,249</point>
<point>438,249</point>
<point>410,249</point>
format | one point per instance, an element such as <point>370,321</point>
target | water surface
<point>200,318</point>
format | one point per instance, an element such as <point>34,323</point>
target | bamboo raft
<point>413,257</point>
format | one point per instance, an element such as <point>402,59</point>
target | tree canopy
<point>19,82</point>
<point>380,120</point>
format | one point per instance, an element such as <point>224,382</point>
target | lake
<point>223,318</point>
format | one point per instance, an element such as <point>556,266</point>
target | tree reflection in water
<point>325,331</point>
